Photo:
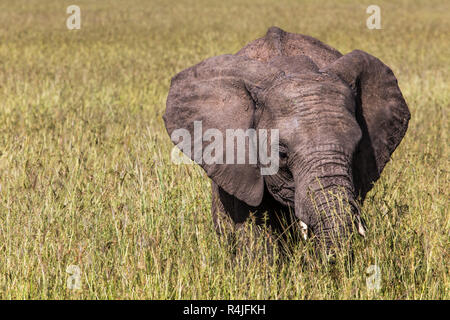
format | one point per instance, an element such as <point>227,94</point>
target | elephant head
<point>339,118</point>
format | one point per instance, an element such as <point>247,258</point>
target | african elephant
<point>339,119</point>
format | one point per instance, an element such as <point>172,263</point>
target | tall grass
<point>85,171</point>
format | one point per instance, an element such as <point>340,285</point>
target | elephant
<point>339,119</point>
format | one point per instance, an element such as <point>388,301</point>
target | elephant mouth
<point>283,194</point>
<point>282,187</point>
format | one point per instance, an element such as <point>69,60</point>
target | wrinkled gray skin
<point>340,118</point>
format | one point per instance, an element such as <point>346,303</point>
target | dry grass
<point>85,171</point>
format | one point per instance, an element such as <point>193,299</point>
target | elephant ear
<point>278,42</point>
<point>381,112</point>
<point>220,93</point>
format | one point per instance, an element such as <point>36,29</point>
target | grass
<point>85,171</point>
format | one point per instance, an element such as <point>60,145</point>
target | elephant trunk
<point>325,202</point>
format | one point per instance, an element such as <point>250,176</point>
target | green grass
<point>85,171</point>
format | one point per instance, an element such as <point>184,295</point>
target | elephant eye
<point>283,154</point>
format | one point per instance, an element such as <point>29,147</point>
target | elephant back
<point>277,42</point>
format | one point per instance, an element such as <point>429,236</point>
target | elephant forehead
<point>308,94</point>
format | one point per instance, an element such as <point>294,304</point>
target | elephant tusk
<point>361,229</point>
<point>304,230</point>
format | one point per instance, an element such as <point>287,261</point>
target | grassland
<point>85,171</point>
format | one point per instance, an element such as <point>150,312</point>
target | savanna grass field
<point>86,177</point>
